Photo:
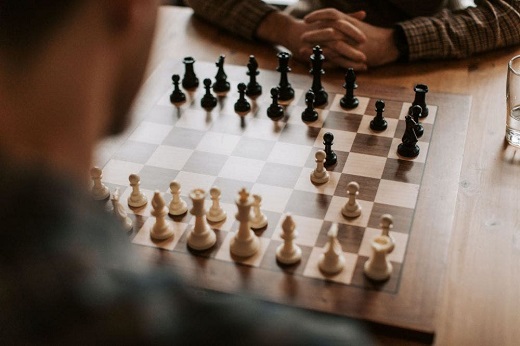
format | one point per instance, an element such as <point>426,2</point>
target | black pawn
<point>321,95</point>
<point>177,97</point>
<point>190,80</point>
<point>221,85</point>
<point>275,111</point>
<point>379,123</point>
<point>309,114</point>
<point>420,99</point>
<point>416,114</point>
<point>408,147</point>
<point>242,107</point>
<point>286,92</point>
<point>330,158</point>
<point>208,101</point>
<point>349,101</point>
<point>253,87</point>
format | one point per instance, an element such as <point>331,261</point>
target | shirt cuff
<point>251,16</point>
<point>423,41</point>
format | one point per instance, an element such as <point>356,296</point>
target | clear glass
<point>513,102</point>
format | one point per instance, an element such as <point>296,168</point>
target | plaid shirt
<point>443,34</point>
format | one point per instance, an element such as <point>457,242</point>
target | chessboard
<point>274,158</point>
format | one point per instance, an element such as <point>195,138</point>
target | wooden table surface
<point>480,298</point>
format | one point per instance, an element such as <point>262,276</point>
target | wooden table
<point>480,299</point>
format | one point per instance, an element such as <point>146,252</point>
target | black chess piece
<point>242,106</point>
<point>420,99</point>
<point>190,80</point>
<point>408,147</point>
<point>416,114</point>
<point>253,87</point>
<point>309,114</point>
<point>320,94</point>
<point>286,92</point>
<point>208,101</point>
<point>177,97</point>
<point>221,85</point>
<point>331,158</point>
<point>275,111</point>
<point>349,101</point>
<point>379,122</point>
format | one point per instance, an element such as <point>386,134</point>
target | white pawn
<point>177,205</point>
<point>257,219</point>
<point>161,228</point>
<point>99,190</point>
<point>200,237</point>
<point>245,243</point>
<point>386,224</point>
<point>352,208</point>
<point>332,260</point>
<point>378,267</point>
<point>288,252</point>
<point>120,212</point>
<point>320,174</point>
<point>137,199</point>
<point>215,213</point>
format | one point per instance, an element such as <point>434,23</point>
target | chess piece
<point>275,111</point>
<point>352,208</point>
<point>332,259</point>
<point>386,224</point>
<point>200,237</point>
<point>286,92</point>
<point>190,80</point>
<point>254,89</point>
<point>177,205</point>
<point>331,158</point>
<point>257,219</point>
<point>408,147</point>
<point>309,114</point>
<point>242,106</point>
<point>137,199</point>
<point>320,174</point>
<point>420,98</point>
<point>316,71</point>
<point>288,252</point>
<point>245,243</point>
<point>120,212</point>
<point>349,101</point>
<point>378,267</point>
<point>215,213</point>
<point>99,190</point>
<point>379,123</point>
<point>416,115</point>
<point>177,97</point>
<point>161,229</point>
<point>208,101</point>
<point>221,86</point>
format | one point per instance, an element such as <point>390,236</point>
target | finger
<point>346,63</point>
<point>336,58</point>
<point>324,14</point>
<point>350,30</point>
<point>341,48</point>
<point>322,35</point>
<point>359,15</point>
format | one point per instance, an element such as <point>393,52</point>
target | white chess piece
<point>99,190</point>
<point>332,259</point>
<point>288,252</point>
<point>137,199</point>
<point>257,219</point>
<point>200,237</point>
<point>245,243</point>
<point>386,224</point>
<point>378,267</point>
<point>161,229</point>
<point>352,208</point>
<point>177,205</point>
<point>120,212</point>
<point>320,174</point>
<point>215,212</point>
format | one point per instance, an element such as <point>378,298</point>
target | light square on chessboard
<point>218,143</point>
<point>144,210</point>
<point>229,188</point>
<point>273,198</point>
<point>225,225</point>
<point>299,134</point>
<point>364,127</point>
<point>169,157</point>
<point>334,212</point>
<point>343,140</point>
<point>360,109</point>
<point>117,171</point>
<point>298,100</point>
<point>192,181</point>
<point>397,193</point>
<point>156,178</point>
<point>137,152</point>
<point>241,168</point>
<point>270,262</point>
<point>195,119</point>
<point>280,175</point>
<point>152,133</point>
<point>166,115</point>
<point>143,236</point>
<point>183,138</point>
<point>312,268</point>
<point>367,186</point>
<point>338,167</point>
<point>400,241</point>
<point>253,148</point>
<point>289,154</point>
<point>371,145</point>
<point>205,163</point>
<point>423,147</point>
<point>308,230</point>
<point>392,108</point>
<point>430,119</point>
<point>305,184</point>
<point>224,253</point>
<point>365,165</point>
<point>295,116</point>
<point>263,128</point>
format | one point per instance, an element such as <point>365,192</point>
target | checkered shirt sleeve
<point>458,34</point>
